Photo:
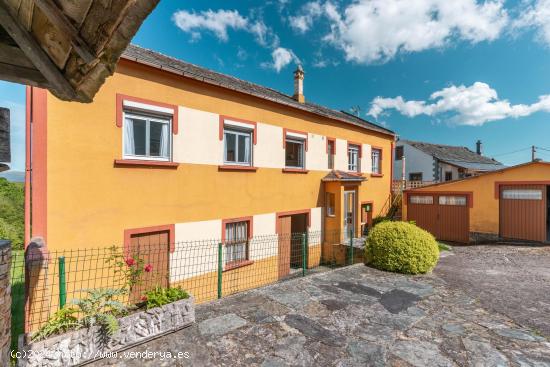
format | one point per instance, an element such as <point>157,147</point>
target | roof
<point>336,175</point>
<point>482,175</point>
<point>188,70</point>
<point>457,156</point>
<point>67,46</point>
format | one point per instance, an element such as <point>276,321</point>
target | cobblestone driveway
<point>511,280</point>
<point>354,316</point>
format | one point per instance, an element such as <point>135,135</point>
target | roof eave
<point>297,107</point>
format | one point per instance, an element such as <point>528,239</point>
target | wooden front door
<point>285,240</point>
<point>153,248</point>
<point>523,212</point>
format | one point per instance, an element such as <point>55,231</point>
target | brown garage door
<point>445,216</point>
<point>523,212</point>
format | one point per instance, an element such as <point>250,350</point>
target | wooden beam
<point>58,19</point>
<point>22,75</point>
<point>36,54</point>
<point>14,56</point>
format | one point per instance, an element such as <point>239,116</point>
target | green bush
<point>380,219</point>
<point>401,247</point>
<point>162,296</point>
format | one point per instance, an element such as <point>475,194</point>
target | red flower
<point>144,298</point>
<point>130,261</point>
<point>148,268</point>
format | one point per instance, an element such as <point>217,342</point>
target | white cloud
<point>536,16</point>
<point>308,14</point>
<point>473,105</point>
<point>281,58</point>
<point>217,22</point>
<point>371,31</point>
<point>220,21</point>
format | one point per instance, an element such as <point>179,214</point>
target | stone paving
<point>511,280</point>
<point>355,316</point>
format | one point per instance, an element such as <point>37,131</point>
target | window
<point>237,147</point>
<point>294,153</point>
<point>147,137</point>
<point>236,242</point>
<point>330,204</point>
<point>331,150</point>
<point>452,200</point>
<point>399,153</point>
<point>421,199</point>
<point>353,158</point>
<point>415,176</point>
<point>376,156</point>
<point>522,194</point>
<point>448,175</point>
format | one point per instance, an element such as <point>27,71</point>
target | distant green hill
<point>12,212</point>
<point>13,176</point>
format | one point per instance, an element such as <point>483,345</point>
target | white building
<point>419,161</point>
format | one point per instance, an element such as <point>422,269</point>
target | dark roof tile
<point>173,65</point>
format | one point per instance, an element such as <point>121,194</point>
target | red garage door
<point>523,212</point>
<point>446,216</point>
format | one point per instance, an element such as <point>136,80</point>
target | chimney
<point>299,84</point>
<point>479,147</point>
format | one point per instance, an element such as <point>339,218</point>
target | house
<point>67,46</point>
<point>509,203</point>
<point>419,161</point>
<point>5,152</point>
<point>175,152</point>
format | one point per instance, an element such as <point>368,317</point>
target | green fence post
<point>304,254</point>
<point>351,246</point>
<point>220,270</point>
<point>62,283</point>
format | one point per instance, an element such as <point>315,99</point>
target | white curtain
<point>129,146</point>
<point>247,149</point>
<point>164,143</point>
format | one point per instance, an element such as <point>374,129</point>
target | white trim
<point>148,107</point>
<point>237,124</point>
<point>296,135</point>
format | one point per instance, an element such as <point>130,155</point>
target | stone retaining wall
<point>79,346</point>
<point>5,302</point>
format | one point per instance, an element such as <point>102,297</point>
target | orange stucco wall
<point>90,202</point>
<point>484,213</point>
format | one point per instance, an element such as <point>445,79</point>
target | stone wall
<point>76,347</point>
<point>5,302</point>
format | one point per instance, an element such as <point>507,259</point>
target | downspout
<point>28,164</point>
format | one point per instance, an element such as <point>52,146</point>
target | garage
<point>445,215</point>
<point>523,212</point>
<point>508,204</point>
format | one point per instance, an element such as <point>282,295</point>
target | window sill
<point>228,167</point>
<point>237,264</point>
<point>376,175</point>
<point>355,173</point>
<point>295,170</point>
<point>331,216</point>
<point>145,163</point>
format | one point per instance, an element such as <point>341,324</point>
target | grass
<point>18,296</point>
<point>443,247</point>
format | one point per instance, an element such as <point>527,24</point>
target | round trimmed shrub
<point>402,248</point>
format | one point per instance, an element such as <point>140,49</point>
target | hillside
<point>12,212</point>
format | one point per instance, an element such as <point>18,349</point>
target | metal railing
<point>42,284</point>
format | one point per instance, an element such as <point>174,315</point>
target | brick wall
<point>5,302</point>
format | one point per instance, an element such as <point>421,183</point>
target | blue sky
<point>449,72</point>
